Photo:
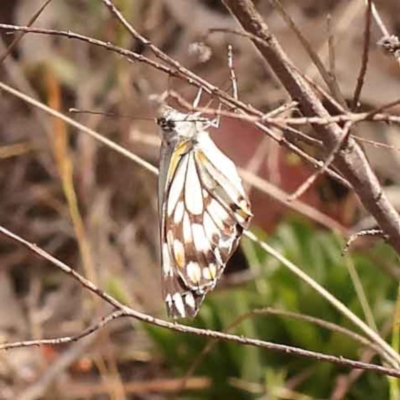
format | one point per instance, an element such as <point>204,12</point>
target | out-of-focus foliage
<point>235,369</point>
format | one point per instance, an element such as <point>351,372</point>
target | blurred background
<point>97,211</point>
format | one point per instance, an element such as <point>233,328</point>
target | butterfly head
<point>166,125</point>
<point>176,125</point>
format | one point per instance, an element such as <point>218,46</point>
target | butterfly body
<point>203,210</point>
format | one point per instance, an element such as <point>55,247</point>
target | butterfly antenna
<point>106,114</point>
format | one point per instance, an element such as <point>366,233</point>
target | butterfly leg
<point>196,101</point>
<point>216,121</point>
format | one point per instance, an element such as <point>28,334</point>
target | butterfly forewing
<point>203,211</point>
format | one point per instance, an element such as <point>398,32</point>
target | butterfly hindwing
<point>220,176</point>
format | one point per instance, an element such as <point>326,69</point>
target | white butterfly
<point>203,210</point>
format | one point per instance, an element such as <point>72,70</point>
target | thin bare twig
<point>360,292</point>
<point>149,167</point>
<point>181,71</point>
<point>296,205</point>
<point>283,108</point>
<point>328,78</point>
<point>331,156</point>
<point>320,322</point>
<point>304,155</point>
<point>331,50</point>
<point>377,144</point>
<point>95,42</point>
<point>18,37</point>
<point>66,339</point>
<point>378,19</point>
<point>365,56</point>
<point>355,236</point>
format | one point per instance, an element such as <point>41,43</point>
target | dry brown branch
<point>129,312</point>
<point>351,160</point>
